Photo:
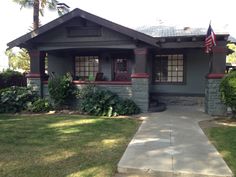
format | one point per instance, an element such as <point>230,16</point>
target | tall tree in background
<point>231,58</point>
<point>19,60</point>
<point>39,6</point>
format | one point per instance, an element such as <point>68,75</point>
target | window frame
<point>93,55</point>
<point>166,82</point>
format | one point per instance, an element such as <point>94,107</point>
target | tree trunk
<point>36,15</point>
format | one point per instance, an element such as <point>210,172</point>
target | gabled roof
<point>172,31</point>
<point>83,14</point>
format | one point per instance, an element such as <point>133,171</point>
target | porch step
<point>156,106</point>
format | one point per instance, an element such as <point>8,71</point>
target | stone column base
<point>140,90</point>
<point>34,81</point>
<point>213,104</point>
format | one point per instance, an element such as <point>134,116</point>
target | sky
<point>131,13</point>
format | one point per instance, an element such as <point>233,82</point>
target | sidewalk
<point>171,143</point>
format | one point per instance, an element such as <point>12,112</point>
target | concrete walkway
<point>171,144</point>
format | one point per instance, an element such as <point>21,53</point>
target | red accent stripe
<point>33,75</point>
<point>140,75</point>
<point>215,76</point>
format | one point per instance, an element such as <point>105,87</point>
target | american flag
<point>210,40</point>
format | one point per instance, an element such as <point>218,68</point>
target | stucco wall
<point>196,64</point>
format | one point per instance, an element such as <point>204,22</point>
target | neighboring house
<point>152,63</point>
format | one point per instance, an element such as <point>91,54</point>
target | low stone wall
<point>124,91</point>
<point>213,103</point>
<point>181,100</point>
<point>140,90</point>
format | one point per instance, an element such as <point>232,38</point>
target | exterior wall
<point>124,91</point>
<point>60,63</point>
<point>213,104</point>
<point>140,91</point>
<point>58,38</point>
<point>197,66</point>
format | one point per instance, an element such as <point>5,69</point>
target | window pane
<point>169,68</point>
<point>86,66</point>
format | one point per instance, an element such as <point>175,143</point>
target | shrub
<point>127,107</point>
<point>10,78</point>
<point>40,105</point>
<point>100,102</point>
<point>228,91</point>
<point>15,99</point>
<point>62,91</point>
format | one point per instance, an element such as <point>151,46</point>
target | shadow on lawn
<point>37,146</point>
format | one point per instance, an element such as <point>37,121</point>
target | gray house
<point>148,64</point>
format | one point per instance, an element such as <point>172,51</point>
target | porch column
<point>213,103</point>
<point>140,80</point>
<point>37,68</point>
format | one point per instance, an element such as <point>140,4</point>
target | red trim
<point>99,82</point>
<point>219,49</point>
<point>214,76</point>
<point>140,51</point>
<point>140,75</point>
<point>33,75</point>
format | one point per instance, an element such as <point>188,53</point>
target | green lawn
<point>224,138</point>
<point>59,145</point>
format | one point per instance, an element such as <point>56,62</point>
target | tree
<point>19,60</point>
<point>39,6</point>
<point>231,58</point>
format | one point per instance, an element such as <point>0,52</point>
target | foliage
<point>62,91</point>
<point>228,91</point>
<point>40,105</point>
<point>127,107</point>
<point>231,58</point>
<point>39,6</point>
<point>101,102</point>
<point>15,99</point>
<point>98,102</point>
<point>10,78</point>
<point>65,145</point>
<point>19,60</point>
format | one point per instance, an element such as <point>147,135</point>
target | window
<point>121,69</point>
<point>169,68</point>
<point>86,67</point>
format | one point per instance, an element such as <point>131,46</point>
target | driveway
<point>171,143</point>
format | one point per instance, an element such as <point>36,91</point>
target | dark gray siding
<point>58,38</point>
<point>60,63</point>
<point>197,63</point>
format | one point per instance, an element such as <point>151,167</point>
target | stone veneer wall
<point>181,100</point>
<point>124,91</point>
<point>35,83</point>
<point>213,103</point>
<point>140,90</point>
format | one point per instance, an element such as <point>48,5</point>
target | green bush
<point>15,99</point>
<point>100,102</point>
<point>127,107</point>
<point>228,91</point>
<point>10,78</point>
<point>62,91</point>
<point>40,105</point>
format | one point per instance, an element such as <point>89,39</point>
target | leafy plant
<point>62,91</point>
<point>102,102</point>
<point>15,99</point>
<point>127,107</point>
<point>228,91</point>
<point>40,105</point>
<point>10,78</point>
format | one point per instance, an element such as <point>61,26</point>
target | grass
<point>224,138</point>
<point>62,145</point>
